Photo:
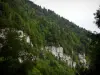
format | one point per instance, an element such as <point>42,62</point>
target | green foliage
<point>45,28</point>
<point>95,48</point>
<point>94,51</point>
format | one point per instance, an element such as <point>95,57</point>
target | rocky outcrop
<point>58,52</point>
<point>82,59</point>
<point>21,36</point>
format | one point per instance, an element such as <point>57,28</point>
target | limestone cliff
<point>59,54</point>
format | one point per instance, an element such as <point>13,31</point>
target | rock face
<point>21,35</point>
<point>58,52</point>
<point>82,59</point>
<point>68,59</point>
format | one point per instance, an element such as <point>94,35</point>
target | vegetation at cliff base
<point>43,27</point>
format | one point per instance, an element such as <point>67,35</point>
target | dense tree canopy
<point>95,48</point>
<point>44,28</point>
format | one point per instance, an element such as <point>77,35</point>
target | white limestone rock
<point>74,64</point>
<point>82,58</point>
<point>58,52</point>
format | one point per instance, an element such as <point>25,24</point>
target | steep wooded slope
<point>44,27</point>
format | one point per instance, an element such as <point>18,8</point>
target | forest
<point>26,29</point>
